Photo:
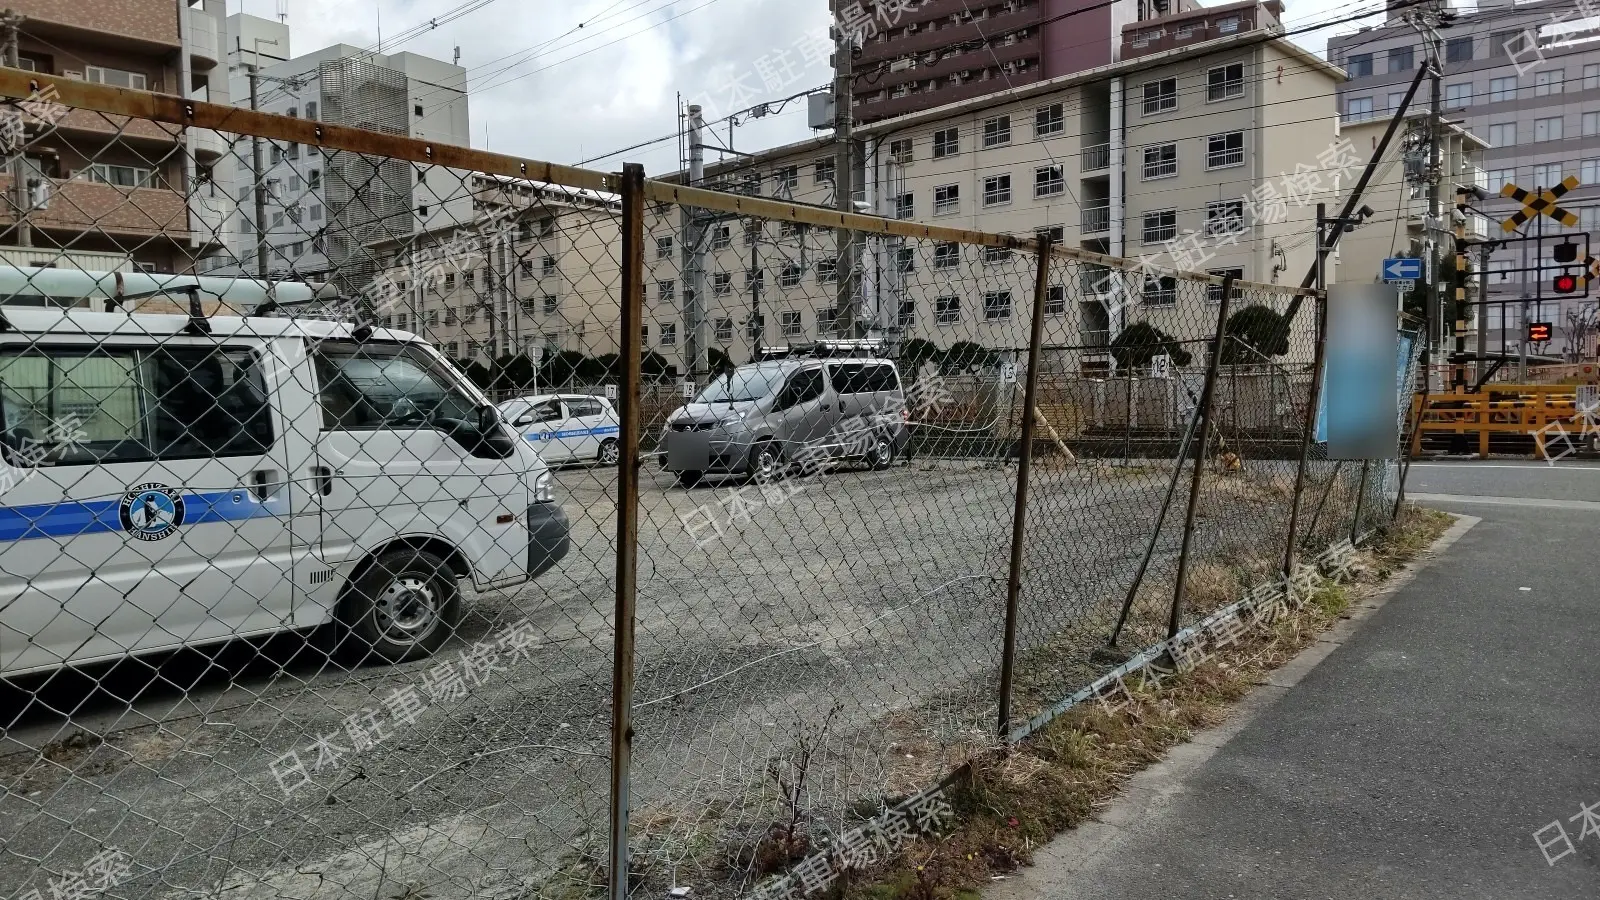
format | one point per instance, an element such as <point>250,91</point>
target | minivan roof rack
<point>846,348</point>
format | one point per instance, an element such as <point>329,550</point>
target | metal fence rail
<point>291,605</point>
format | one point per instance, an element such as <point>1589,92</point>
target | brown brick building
<point>131,187</point>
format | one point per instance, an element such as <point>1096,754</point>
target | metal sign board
<point>611,392</point>
<point>1161,366</point>
<point>1405,287</point>
<point>688,389</point>
<point>1008,373</point>
<point>1400,268</point>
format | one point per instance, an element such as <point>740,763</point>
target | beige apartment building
<point>104,185</point>
<point>1206,147</point>
<point>538,268</point>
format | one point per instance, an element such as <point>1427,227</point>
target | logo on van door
<point>151,511</point>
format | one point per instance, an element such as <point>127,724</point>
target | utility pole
<point>694,250</point>
<point>256,168</point>
<point>757,327</point>
<point>11,22</point>
<point>1425,20</point>
<point>843,173</point>
<point>1484,250</point>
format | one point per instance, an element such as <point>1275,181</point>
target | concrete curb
<point>1152,790</point>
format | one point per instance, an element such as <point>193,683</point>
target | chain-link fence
<point>458,525</point>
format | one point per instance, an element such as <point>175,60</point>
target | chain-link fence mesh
<point>310,552</point>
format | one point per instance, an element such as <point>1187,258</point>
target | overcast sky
<point>565,80</point>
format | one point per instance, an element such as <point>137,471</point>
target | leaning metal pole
<point>1314,394</point>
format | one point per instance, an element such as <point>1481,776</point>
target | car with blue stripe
<point>567,428</point>
<point>172,482</point>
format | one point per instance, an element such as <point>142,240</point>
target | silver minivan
<point>762,417</point>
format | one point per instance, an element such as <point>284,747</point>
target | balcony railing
<point>1094,337</point>
<point>1096,219</point>
<point>1096,157</point>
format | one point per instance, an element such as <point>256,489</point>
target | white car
<point>566,428</point>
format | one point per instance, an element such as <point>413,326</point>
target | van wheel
<point>689,479</point>
<point>881,454</point>
<point>403,607</point>
<point>610,453</point>
<point>765,462</point>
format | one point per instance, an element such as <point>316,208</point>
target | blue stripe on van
<point>73,518</point>
<point>577,432</point>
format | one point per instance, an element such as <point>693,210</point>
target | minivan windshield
<point>751,382</point>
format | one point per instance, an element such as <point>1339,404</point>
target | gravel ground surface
<point>872,602</point>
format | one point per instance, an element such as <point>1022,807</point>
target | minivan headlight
<point>544,490</point>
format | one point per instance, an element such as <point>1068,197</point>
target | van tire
<point>766,461</point>
<point>392,587</point>
<point>689,479</point>
<point>881,454</point>
<point>609,454</point>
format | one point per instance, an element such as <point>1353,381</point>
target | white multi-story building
<point>323,210</point>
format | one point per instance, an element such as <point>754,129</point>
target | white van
<point>171,482</point>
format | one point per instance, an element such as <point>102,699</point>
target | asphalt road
<point>1420,758</point>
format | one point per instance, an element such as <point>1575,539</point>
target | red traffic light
<point>1538,332</point>
<point>1566,284</point>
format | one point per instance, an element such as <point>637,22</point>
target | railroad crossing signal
<point>1544,202</point>
<point>1539,332</point>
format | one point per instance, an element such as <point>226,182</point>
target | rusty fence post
<point>627,523</point>
<point>1213,363</point>
<point>1019,514</point>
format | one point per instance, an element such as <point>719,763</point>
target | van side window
<point>846,377</point>
<point>880,379</point>
<point>584,407</point>
<point>83,406</point>
<point>385,386</point>
<point>803,387</point>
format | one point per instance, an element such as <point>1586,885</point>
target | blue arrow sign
<point>1399,268</point>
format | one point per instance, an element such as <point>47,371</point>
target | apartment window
<point>1458,49</point>
<point>827,319</point>
<point>905,259</point>
<point>752,231</point>
<point>946,255</point>
<point>1395,99</point>
<point>1591,77</point>
<point>946,198</point>
<point>1147,36</point>
<point>755,279</point>
<point>1160,226</point>
<point>900,151</point>
<point>786,178</point>
<point>723,330</point>
<point>1225,82</point>
<point>122,176</point>
<point>996,254</point>
<point>277,219</point>
<point>1160,96</point>
<point>663,247</point>
<point>1049,120</point>
<point>1547,129</point>
<point>449,281</point>
<point>1049,181</point>
<point>669,334</point>
<point>422,211</point>
<point>1357,109</point>
<point>1402,59</point>
<point>996,305</point>
<point>116,77</point>
<point>790,276</point>
<point>1358,65</point>
<point>908,314</point>
<point>827,271</point>
<point>666,291</point>
<point>1502,90</point>
<point>526,267</point>
<point>276,156</point>
<point>1160,161</point>
<point>1501,177</point>
<point>721,284</point>
<point>1161,291</point>
<point>1225,150</point>
<point>311,109</point>
<point>1457,95</point>
<point>416,109</point>
<point>1228,24</point>
<point>1547,83</point>
<point>1503,134</point>
<point>997,131</point>
<point>946,142</point>
<point>996,190</point>
<point>822,171</point>
<point>547,266</point>
<point>721,237</point>
<point>469,279</point>
<point>946,310</point>
<point>1214,291</point>
<point>292,152</point>
<point>791,323</point>
<point>316,212</point>
<point>905,206</point>
<point>551,304</point>
<point>1224,217</point>
<point>1055,301</point>
<point>1591,127</point>
<point>1505,43</point>
<point>313,179</point>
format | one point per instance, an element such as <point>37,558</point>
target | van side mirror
<point>488,420</point>
<point>524,419</point>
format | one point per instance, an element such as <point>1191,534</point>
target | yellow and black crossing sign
<point>1542,203</point>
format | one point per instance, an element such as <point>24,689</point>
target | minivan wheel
<point>609,452</point>
<point>765,463</point>
<point>403,607</point>
<point>689,479</point>
<point>881,454</point>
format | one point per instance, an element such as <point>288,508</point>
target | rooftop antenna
<point>456,60</point>
<point>377,8</point>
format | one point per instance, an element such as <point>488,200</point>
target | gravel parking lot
<point>872,601</point>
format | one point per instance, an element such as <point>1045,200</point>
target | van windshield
<point>743,383</point>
